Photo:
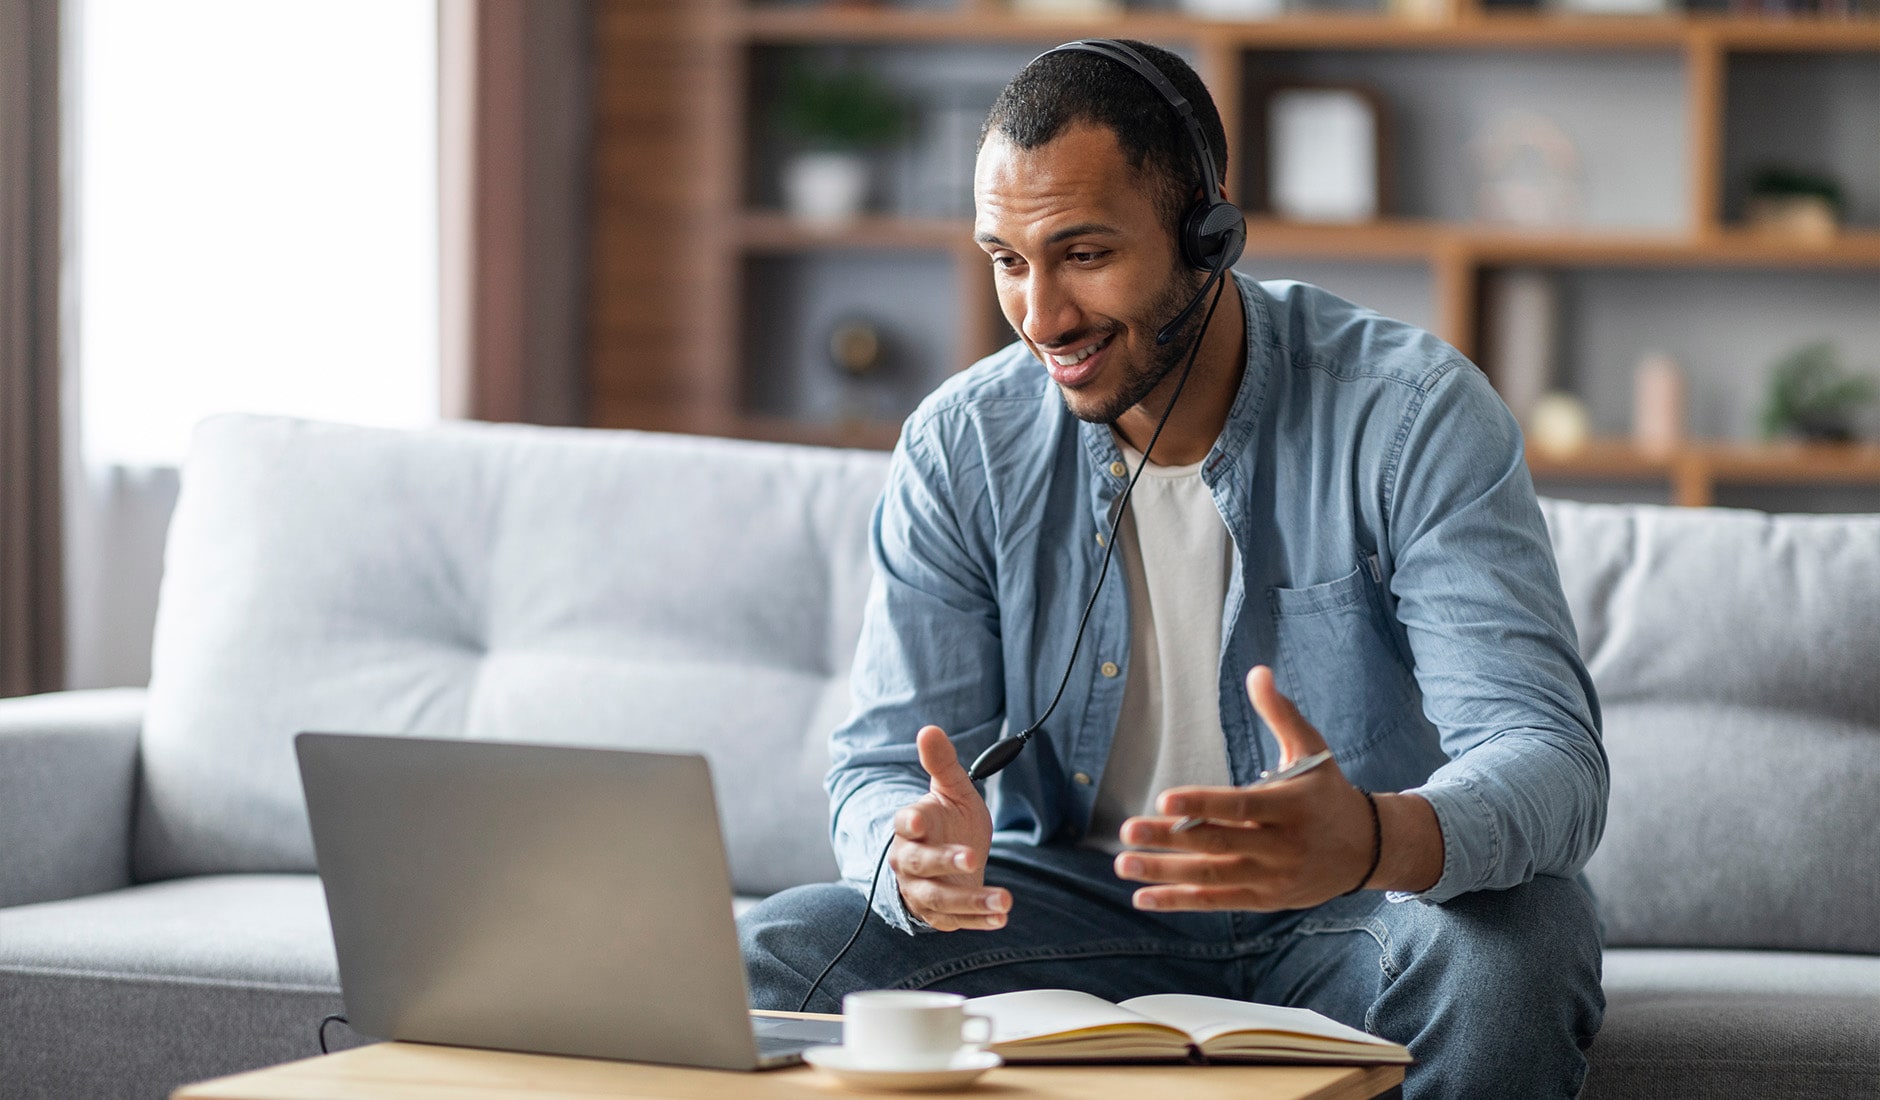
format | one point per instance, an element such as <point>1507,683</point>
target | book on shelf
<point>1063,1025</point>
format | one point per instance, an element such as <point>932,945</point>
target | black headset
<point>1213,231</point>
<point>1211,236</point>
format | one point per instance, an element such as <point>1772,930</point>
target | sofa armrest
<point>68,773</point>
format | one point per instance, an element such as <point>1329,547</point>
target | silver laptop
<point>535,898</point>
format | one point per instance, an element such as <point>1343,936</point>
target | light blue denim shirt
<point>1390,563</point>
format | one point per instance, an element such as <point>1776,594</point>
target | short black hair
<point>1059,89</point>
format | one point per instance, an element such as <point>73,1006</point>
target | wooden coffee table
<point>407,1071</point>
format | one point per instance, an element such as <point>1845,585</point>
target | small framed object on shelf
<point>1322,147</point>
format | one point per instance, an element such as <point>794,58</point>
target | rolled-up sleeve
<point>929,654</point>
<point>1478,594</point>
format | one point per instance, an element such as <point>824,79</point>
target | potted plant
<point>835,119</point>
<point>1813,397</point>
<point>1794,203</point>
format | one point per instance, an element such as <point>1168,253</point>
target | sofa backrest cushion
<point>1737,657</point>
<point>509,583</point>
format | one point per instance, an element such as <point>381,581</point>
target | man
<point>1338,502</point>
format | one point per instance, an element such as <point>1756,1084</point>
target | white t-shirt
<point>1177,557</point>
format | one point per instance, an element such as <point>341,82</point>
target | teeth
<point>1079,355</point>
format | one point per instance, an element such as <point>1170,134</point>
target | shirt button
<point>1102,539</point>
<point>1083,780</point>
<point>1110,669</point>
<point>1118,469</point>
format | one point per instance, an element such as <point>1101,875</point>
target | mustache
<point>1082,336</point>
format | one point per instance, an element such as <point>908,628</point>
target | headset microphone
<point>1167,332</point>
<point>1005,750</point>
<point>1211,235</point>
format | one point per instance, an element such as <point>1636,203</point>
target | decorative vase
<point>1559,426</point>
<point>826,188</point>
<point>1658,403</point>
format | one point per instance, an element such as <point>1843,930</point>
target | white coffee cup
<point>909,1029</point>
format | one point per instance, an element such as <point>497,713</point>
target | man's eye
<point>1084,257</point>
<point>1005,261</point>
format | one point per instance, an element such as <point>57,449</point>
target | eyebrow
<point>1082,229</point>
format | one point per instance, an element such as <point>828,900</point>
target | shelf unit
<point>700,383</point>
<point>1696,470</point>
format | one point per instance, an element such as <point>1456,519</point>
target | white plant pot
<point>1234,10</point>
<point>825,188</point>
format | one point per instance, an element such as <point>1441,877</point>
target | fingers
<point>910,824</point>
<point>941,878</point>
<point>1262,805</point>
<point>934,860</point>
<point>949,778</point>
<point>1159,832</point>
<point>929,821</point>
<point>1191,868</point>
<point>1221,872</point>
<point>1297,737</point>
<point>1190,897</point>
<point>949,907</point>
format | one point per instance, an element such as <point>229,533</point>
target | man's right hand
<point>940,846</point>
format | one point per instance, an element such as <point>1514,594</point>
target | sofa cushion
<point>1734,654</point>
<point>1739,826</point>
<point>138,991</point>
<point>266,930</point>
<point>1737,1023</point>
<point>1721,605</point>
<point>500,582</point>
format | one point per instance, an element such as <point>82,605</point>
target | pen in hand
<point>1297,768</point>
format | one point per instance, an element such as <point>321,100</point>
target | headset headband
<point>1127,56</point>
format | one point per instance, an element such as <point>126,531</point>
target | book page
<point>1258,1027</point>
<point>1034,1013</point>
<point>1066,1024</point>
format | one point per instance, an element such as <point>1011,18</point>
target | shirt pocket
<point>1339,662</point>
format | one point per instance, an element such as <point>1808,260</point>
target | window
<point>256,216</point>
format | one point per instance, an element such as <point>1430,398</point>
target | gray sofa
<point>159,924</point>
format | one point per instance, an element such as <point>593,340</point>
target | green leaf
<point>847,109</point>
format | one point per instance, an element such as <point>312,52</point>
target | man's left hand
<point>1291,845</point>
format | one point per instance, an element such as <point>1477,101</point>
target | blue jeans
<point>1496,993</point>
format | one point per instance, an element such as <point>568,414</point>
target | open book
<point>1062,1025</point>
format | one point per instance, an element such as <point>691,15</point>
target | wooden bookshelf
<point>1694,470</point>
<point>666,339</point>
<point>794,25</point>
<point>769,232</point>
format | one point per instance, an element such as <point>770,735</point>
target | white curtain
<point>254,199</point>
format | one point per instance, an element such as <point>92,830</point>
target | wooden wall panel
<point>663,84</point>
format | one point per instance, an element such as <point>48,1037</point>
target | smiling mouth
<point>1075,366</point>
<point>1080,354</point>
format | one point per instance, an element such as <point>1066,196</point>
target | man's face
<point>1085,267</point>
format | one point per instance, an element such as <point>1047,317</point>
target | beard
<point>1140,379</point>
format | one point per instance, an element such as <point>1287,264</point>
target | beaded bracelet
<point>1377,844</point>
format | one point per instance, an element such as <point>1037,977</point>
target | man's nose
<point>1051,315</point>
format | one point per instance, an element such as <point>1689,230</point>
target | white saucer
<point>840,1063</point>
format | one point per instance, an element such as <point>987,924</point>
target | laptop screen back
<point>529,897</point>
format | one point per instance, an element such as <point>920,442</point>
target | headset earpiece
<point>1214,233</point>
